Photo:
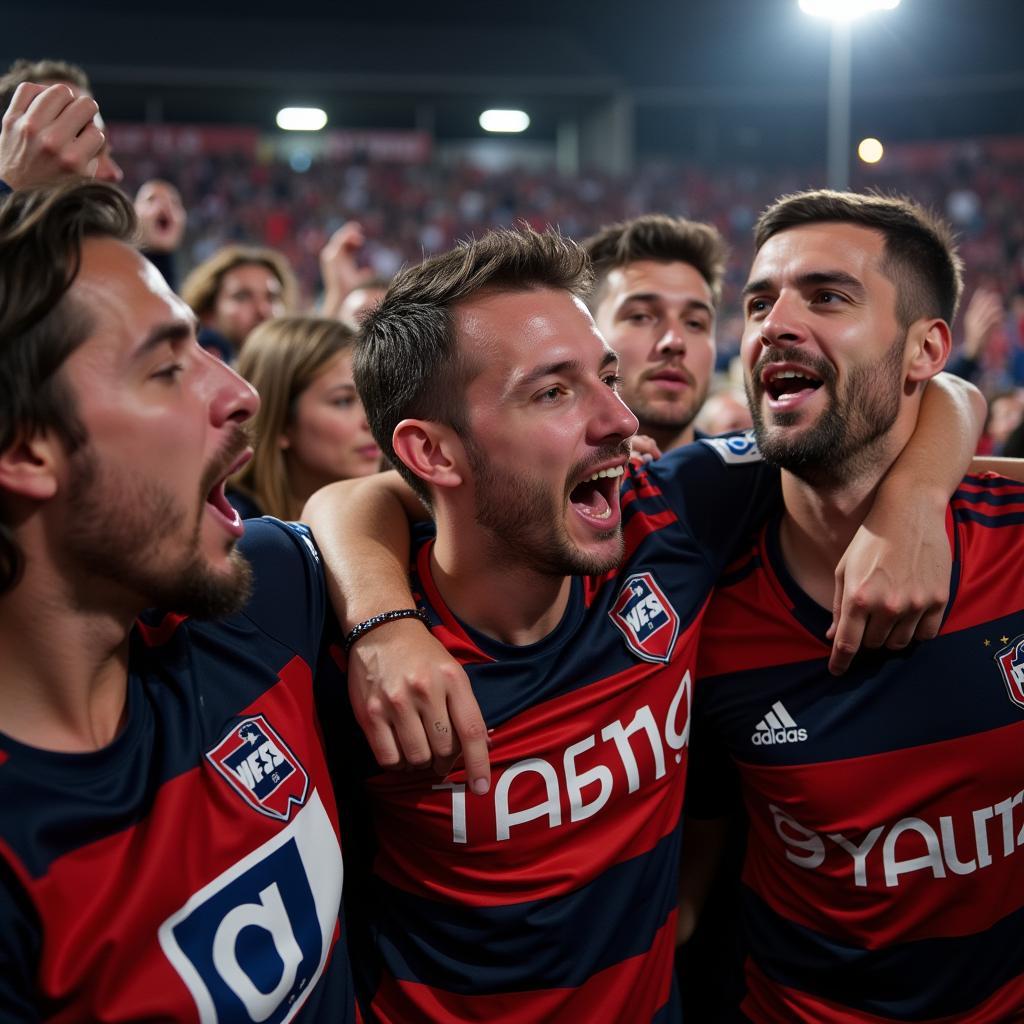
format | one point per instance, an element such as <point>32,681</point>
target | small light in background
<point>504,120</point>
<point>870,151</point>
<point>301,119</point>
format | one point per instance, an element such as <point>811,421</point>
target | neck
<point>495,594</point>
<point>68,695</point>
<point>821,519</point>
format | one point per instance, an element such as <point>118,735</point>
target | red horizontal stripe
<point>768,1002</point>
<point>990,587</point>
<point>854,796</point>
<point>540,860</point>
<point>749,626</point>
<point>1006,486</point>
<point>633,991</point>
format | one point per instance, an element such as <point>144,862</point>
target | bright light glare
<point>870,151</point>
<point>504,120</point>
<point>845,10</point>
<point>301,119</point>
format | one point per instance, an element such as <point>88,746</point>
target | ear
<point>432,451</point>
<point>284,442</point>
<point>928,347</point>
<point>30,466</point>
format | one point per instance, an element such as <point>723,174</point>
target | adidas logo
<point>777,727</point>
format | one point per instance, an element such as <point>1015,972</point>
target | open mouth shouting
<point>595,499</point>
<point>789,385</point>
<point>217,503</point>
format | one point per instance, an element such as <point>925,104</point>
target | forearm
<point>362,529</point>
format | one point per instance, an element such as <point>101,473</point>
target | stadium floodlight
<point>842,13</point>
<point>845,10</point>
<point>301,119</point>
<point>504,120</point>
<point>870,150</point>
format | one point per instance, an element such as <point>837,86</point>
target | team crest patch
<point>645,618</point>
<point>1011,664</point>
<point>261,768</point>
<point>736,449</point>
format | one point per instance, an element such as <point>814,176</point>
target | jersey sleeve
<point>288,598</point>
<point>721,490</point>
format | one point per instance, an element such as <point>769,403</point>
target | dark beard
<point>121,549</point>
<point>840,447</point>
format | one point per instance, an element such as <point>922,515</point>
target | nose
<point>783,325</point>
<point>234,399</point>
<point>612,421</point>
<point>672,342</point>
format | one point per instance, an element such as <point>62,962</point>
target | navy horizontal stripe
<point>1007,519</point>
<point>542,944</point>
<point>921,689</point>
<point>914,981</point>
<point>993,482</point>
<point>985,498</point>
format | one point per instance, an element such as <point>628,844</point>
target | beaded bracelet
<point>378,620</point>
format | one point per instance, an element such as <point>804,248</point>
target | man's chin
<point>203,592</point>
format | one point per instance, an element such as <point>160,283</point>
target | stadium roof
<point>719,74</point>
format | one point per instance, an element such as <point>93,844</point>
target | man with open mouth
<point>169,841</point>
<point>884,872</point>
<point>574,605</point>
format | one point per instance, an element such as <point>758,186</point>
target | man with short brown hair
<point>658,283</point>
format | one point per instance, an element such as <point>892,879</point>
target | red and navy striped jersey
<point>191,870</point>
<point>553,897</point>
<point>884,874</point>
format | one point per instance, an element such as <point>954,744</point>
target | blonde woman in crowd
<point>311,429</point>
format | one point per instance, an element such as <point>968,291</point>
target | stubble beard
<point>527,526</point>
<point>846,440</point>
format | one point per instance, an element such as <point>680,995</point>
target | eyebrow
<point>178,330</point>
<point>655,297</point>
<point>556,369</point>
<point>813,278</point>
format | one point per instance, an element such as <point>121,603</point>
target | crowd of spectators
<point>410,210</point>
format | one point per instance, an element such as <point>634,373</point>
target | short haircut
<point>40,72</point>
<point>408,361</point>
<point>201,288</point>
<point>920,248</point>
<point>41,235</point>
<point>662,239</point>
<point>280,359</point>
